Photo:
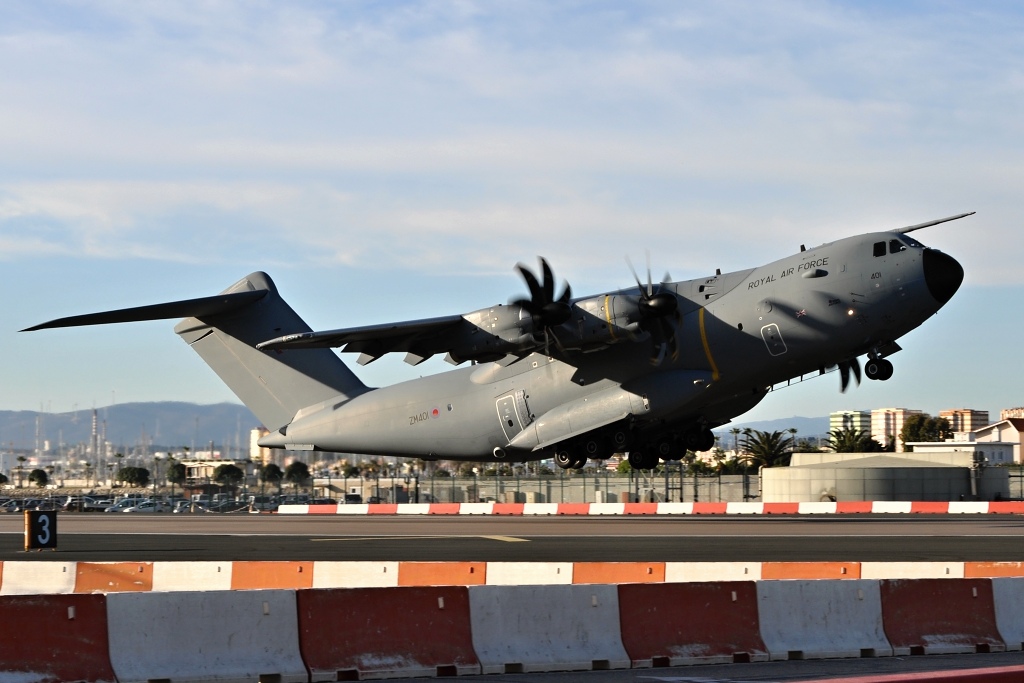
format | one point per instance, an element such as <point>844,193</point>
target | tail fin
<point>224,331</point>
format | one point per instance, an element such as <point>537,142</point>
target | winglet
<point>928,224</point>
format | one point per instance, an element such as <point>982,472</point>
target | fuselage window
<point>879,248</point>
<point>895,246</point>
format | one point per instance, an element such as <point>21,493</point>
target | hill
<point>162,425</point>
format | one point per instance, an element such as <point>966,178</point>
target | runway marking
<point>507,539</point>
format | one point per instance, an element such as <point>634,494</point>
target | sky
<point>388,161</point>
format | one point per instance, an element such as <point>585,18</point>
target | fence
<point>579,487</point>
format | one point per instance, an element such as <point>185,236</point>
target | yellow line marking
<point>507,539</point>
<point>707,348</point>
<point>608,316</point>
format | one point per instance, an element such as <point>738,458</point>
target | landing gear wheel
<point>662,449</point>
<point>650,460</point>
<point>692,440</point>
<point>707,440</point>
<point>579,462</point>
<point>564,459</point>
<point>620,440</point>
<point>636,460</point>
<point>593,446</point>
<point>878,368</point>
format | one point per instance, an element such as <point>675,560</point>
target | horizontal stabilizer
<point>188,308</point>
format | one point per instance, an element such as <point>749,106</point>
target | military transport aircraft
<point>647,371</point>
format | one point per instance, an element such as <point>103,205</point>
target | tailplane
<point>224,331</point>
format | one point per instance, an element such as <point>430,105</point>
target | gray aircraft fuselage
<point>737,333</point>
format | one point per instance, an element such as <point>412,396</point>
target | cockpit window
<point>879,248</point>
<point>911,242</point>
<point>895,246</point>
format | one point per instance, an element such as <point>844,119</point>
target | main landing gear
<point>878,368</point>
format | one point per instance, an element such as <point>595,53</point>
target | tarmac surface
<point>857,538</point>
<point>861,538</point>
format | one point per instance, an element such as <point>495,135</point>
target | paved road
<point>118,537</point>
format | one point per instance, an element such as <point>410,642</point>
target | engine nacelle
<point>602,320</point>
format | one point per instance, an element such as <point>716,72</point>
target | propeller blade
<point>549,281</point>
<point>844,376</point>
<point>855,366</point>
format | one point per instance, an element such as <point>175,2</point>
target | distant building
<point>1011,413</point>
<point>887,423</point>
<point>850,419</point>
<point>988,452</point>
<point>1007,430</point>
<point>965,419</point>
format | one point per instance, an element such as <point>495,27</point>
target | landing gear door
<point>513,413</point>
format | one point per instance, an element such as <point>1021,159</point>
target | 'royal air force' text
<point>807,265</point>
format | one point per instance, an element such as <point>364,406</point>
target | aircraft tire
<point>692,439</point>
<point>564,459</point>
<point>579,462</point>
<point>878,368</point>
<point>707,440</point>
<point>636,459</point>
<point>663,449</point>
<point>594,446</point>
<point>650,460</point>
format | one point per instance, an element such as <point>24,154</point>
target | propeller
<point>845,369</point>
<point>543,307</point>
<point>658,306</point>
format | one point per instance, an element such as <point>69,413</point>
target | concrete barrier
<point>110,577</point>
<point>355,574</point>
<point>912,570</point>
<point>618,572</point>
<point>442,573</point>
<point>690,623</point>
<point>810,570</point>
<point>686,572</point>
<point>529,573</point>
<point>936,616</point>
<point>822,619</point>
<point>269,575</point>
<point>1008,597</point>
<point>38,578</point>
<point>192,576</point>
<point>54,638</point>
<point>520,629</point>
<point>362,633</point>
<point>223,636</point>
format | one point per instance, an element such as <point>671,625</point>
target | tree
<point>770,449</point>
<point>271,474</point>
<point>296,474</point>
<point>134,476</point>
<point>228,474</point>
<point>853,440</point>
<point>924,427</point>
<point>38,477</point>
<point>351,471</point>
<point>177,473</point>
<point>3,479</point>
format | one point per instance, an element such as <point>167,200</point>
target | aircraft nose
<point>942,274</point>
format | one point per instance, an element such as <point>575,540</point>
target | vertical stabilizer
<point>273,384</point>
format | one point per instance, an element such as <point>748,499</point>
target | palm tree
<point>852,440</point>
<point>770,449</point>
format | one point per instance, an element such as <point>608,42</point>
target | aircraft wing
<point>420,339</point>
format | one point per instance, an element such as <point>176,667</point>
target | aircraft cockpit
<point>896,245</point>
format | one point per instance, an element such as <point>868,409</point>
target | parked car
<point>186,506</point>
<point>122,505</point>
<point>147,506</point>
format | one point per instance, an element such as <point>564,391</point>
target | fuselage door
<point>773,339</point>
<point>513,413</point>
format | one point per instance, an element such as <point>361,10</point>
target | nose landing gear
<point>878,368</point>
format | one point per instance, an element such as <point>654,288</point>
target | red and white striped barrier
<point>46,578</point>
<point>362,633</point>
<point>547,509</point>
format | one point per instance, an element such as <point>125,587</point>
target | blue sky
<point>385,161</point>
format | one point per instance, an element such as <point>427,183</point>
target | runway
<point>863,538</point>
